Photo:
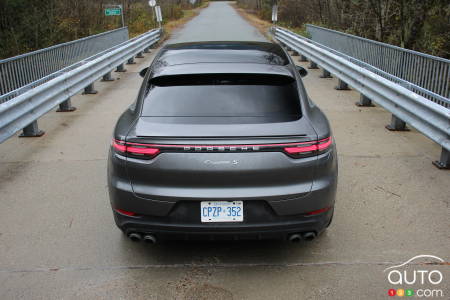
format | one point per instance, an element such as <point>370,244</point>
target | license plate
<point>222,211</point>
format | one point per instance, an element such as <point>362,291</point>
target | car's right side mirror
<point>302,71</point>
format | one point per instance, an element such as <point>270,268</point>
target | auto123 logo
<point>417,277</point>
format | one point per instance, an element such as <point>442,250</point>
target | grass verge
<point>188,14</point>
<point>262,25</point>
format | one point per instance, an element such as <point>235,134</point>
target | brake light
<point>135,150</point>
<point>145,151</point>
<point>119,147</point>
<point>313,148</point>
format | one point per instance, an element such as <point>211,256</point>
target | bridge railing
<point>426,75</point>
<point>22,111</point>
<point>23,72</point>
<point>406,106</point>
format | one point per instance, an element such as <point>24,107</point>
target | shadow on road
<point>203,253</point>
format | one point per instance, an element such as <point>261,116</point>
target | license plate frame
<point>221,211</point>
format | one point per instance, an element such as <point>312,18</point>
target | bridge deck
<point>58,239</point>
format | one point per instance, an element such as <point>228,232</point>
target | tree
<point>422,25</point>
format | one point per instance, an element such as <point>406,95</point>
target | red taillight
<point>313,148</point>
<point>319,211</point>
<point>324,144</point>
<point>145,151</point>
<point>126,213</point>
<point>119,147</point>
<point>135,150</point>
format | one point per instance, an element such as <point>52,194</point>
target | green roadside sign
<point>113,12</point>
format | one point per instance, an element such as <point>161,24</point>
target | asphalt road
<point>218,22</point>
<point>58,239</point>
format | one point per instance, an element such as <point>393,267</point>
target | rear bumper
<point>263,219</point>
<point>281,228</point>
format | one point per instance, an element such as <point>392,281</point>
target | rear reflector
<point>136,151</point>
<point>319,211</point>
<point>312,148</point>
<point>124,212</point>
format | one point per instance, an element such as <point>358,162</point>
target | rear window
<point>219,95</point>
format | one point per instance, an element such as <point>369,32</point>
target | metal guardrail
<point>430,118</point>
<point>23,72</point>
<point>424,74</point>
<point>22,111</point>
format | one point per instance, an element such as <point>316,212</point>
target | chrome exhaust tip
<point>150,239</point>
<point>135,237</point>
<point>295,238</point>
<point>308,236</point>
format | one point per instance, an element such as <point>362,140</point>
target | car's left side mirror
<point>302,71</point>
<point>143,72</point>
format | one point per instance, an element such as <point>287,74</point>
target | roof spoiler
<point>222,68</point>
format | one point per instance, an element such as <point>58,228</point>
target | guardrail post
<point>303,58</point>
<point>32,130</point>
<point>121,68</point>
<point>396,124</point>
<point>107,77</point>
<point>89,90</point>
<point>342,86</point>
<point>364,101</point>
<point>295,53</point>
<point>312,65</point>
<point>444,161</point>
<point>147,50</point>
<point>325,74</point>
<point>155,45</point>
<point>131,61</point>
<point>139,55</point>
<point>66,106</point>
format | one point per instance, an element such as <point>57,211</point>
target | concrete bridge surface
<point>58,239</point>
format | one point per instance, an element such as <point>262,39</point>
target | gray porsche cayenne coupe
<point>222,142</point>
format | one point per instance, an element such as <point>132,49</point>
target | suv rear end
<point>229,154</point>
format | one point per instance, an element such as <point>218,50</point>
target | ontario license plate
<point>222,211</point>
